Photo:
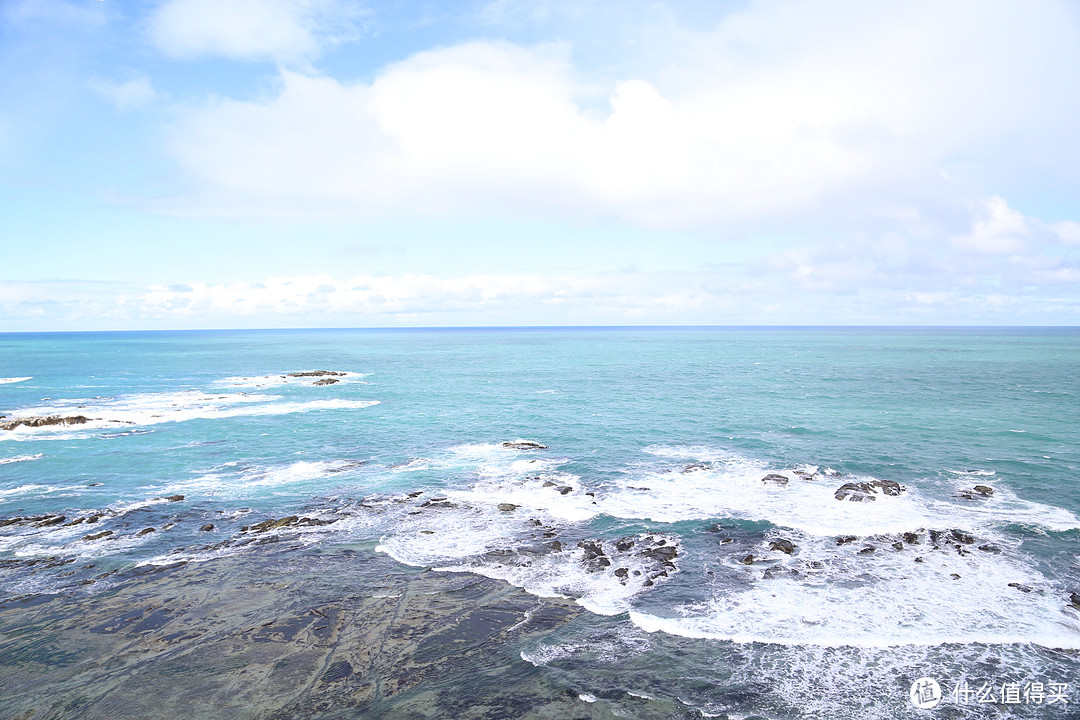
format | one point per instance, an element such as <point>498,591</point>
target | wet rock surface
<point>287,634</point>
<point>43,421</point>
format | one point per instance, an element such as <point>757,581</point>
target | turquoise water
<point>651,434</point>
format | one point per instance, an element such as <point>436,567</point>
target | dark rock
<point>664,554</point>
<point>984,490</point>
<point>624,544</point>
<point>207,527</point>
<point>919,560</point>
<point>145,531</point>
<point>962,537</point>
<point>846,539</point>
<point>42,421</point>
<point>694,467</point>
<point>911,538</point>
<point>954,576</point>
<point>993,549</point>
<point>1020,586</point>
<point>316,373</point>
<point>98,536</point>
<point>898,545</point>
<point>524,445</point>
<point>76,521</point>
<point>554,545</point>
<point>867,491</point>
<point>775,479</point>
<point>326,381</point>
<point>935,537</point>
<point>272,524</point>
<point>56,520</point>
<point>173,498</point>
<point>1074,599</point>
<point>726,541</point>
<point>418,493</point>
<point>93,519</point>
<point>592,549</point>
<point>817,565</point>
<point>565,489</point>
<point>507,507</point>
<point>868,550</point>
<point>621,572</point>
<point>784,546</point>
<point>748,560</point>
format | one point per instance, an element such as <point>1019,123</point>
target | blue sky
<point>292,163</point>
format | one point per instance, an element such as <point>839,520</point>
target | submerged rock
<point>1020,586</point>
<point>98,536</point>
<point>524,445</point>
<point>42,421</point>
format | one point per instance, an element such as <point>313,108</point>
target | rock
<point>846,539</point>
<point>748,560</point>
<point>316,373</point>
<point>993,549</point>
<point>621,572</point>
<point>665,554</point>
<point>272,524</point>
<point>984,490</point>
<point>548,483</point>
<point>919,560</point>
<point>98,536</point>
<point>868,550</point>
<point>592,549</point>
<point>554,545</point>
<point>911,538</point>
<point>898,545</point>
<point>962,537</point>
<point>867,491</point>
<point>1020,586</point>
<point>507,507</point>
<point>817,565</point>
<point>173,498</point>
<point>42,421</point>
<point>624,544</point>
<point>775,479</point>
<point>935,537</point>
<point>76,521</point>
<point>326,381</point>
<point>56,520</point>
<point>784,546</point>
<point>694,467</point>
<point>145,531</point>
<point>427,532</point>
<point>565,489</point>
<point>954,576</point>
<point>726,541</point>
<point>524,445</point>
<point>207,527</point>
<point>93,519</point>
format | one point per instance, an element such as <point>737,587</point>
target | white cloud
<point>997,229</point>
<point>277,30</point>
<point>827,109</point>
<point>125,94</point>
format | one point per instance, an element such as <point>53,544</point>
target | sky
<point>181,164</point>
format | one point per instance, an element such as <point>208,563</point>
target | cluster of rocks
<point>524,445</point>
<point>316,374</point>
<point>867,491</point>
<point>657,553</point>
<point>979,492</point>
<point>290,521</point>
<point>43,421</point>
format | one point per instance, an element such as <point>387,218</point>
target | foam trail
<point>19,458</point>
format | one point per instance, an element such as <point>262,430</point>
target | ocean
<point>731,522</point>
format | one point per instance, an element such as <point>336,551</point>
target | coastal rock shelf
<point>283,634</point>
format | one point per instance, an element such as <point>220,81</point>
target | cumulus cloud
<point>783,109</point>
<point>276,30</point>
